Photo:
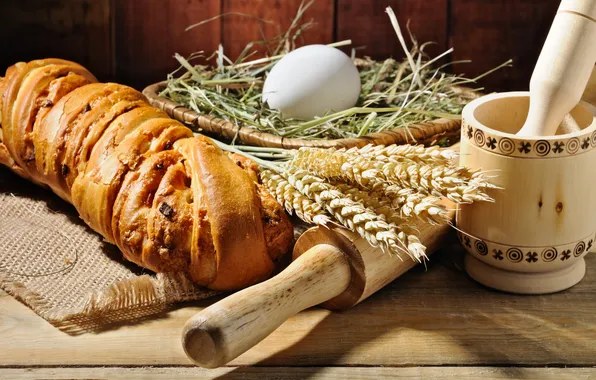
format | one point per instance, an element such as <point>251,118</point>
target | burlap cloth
<point>51,261</point>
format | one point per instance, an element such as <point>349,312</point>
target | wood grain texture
<point>433,317</point>
<point>293,373</point>
<point>332,267</point>
<point>148,33</point>
<point>562,69</point>
<point>369,27</point>
<point>371,268</point>
<point>235,324</point>
<point>133,41</point>
<point>71,29</point>
<point>534,225</point>
<point>244,26</point>
<point>491,32</point>
<point>590,93</point>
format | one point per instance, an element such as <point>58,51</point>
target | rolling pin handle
<point>228,328</point>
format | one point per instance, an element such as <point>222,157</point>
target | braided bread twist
<point>169,200</point>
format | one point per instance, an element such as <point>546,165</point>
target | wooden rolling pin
<point>332,267</point>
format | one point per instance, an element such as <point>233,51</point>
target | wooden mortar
<point>532,239</point>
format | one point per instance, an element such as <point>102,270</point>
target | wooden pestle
<point>563,68</point>
<point>332,267</point>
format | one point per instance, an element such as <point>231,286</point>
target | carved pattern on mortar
<point>506,146</point>
<point>527,255</point>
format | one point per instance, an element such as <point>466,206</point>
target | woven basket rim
<point>415,133</point>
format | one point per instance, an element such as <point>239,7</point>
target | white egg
<point>311,81</point>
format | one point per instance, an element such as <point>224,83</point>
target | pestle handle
<point>228,328</point>
<point>563,67</point>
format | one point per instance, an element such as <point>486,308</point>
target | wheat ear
<point>407,152</point>
<point>333,164</point>
<point>399,205</point>
<point>455,183</point>
<point>293,201</point>
<point>355,216</point>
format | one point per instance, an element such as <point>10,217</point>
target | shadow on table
<point>488,328</point>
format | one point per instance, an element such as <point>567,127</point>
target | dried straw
<point>394,93</point>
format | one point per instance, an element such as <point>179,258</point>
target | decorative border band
<point>526,255</point>
<point>528,149</point>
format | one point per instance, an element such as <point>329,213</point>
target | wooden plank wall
<point>71,29</point>
<point>133,41</point>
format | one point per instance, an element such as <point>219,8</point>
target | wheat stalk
<point>356,216</point>
<point>293,201</point>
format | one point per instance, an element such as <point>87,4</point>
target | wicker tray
<point>423,133</point>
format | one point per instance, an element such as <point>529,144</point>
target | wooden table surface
<point>436,323</point>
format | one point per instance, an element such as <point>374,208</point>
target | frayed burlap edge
<point>124,298</point>
<point>130,300</point>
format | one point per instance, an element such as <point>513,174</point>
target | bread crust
<point>171,201</point>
